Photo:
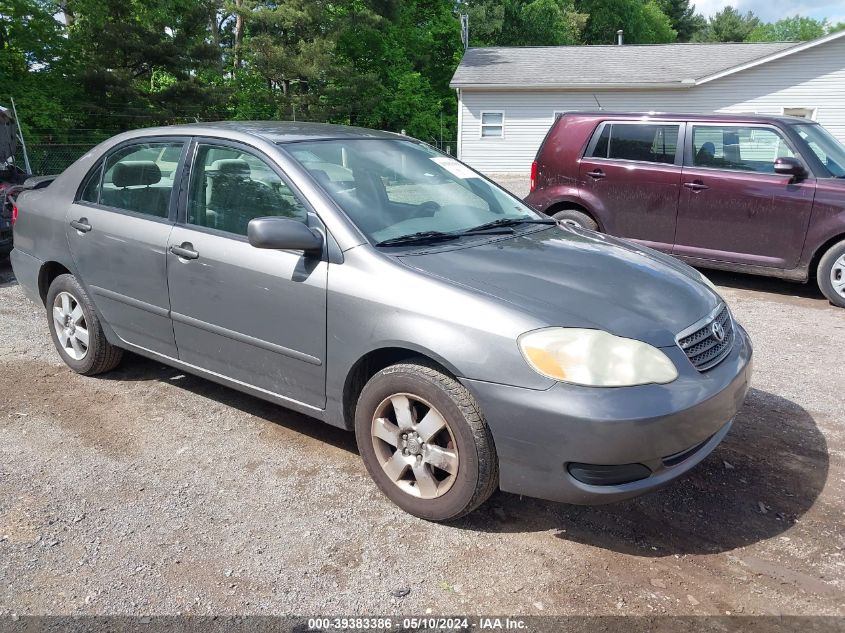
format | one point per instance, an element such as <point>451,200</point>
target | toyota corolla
<point>375,284</point>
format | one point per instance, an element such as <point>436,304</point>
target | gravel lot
<point>147,491</point>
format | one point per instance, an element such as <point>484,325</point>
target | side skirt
<point>800,274</point>
<point>258,392</point>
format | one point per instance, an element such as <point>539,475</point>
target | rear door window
<point>737,147</point>
<point>652,143</point>
<point>139,178</point>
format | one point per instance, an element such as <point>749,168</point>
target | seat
<point>706,154</point>
<point>134,191</point>
<point>225,180</point>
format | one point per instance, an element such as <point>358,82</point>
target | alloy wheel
<point>69,323</point>
<point>837,276</point>
<point>415,446</point>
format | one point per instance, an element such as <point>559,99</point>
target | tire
<point>577,218</point>
<point>463,447</point>
<point>831,274</point>
<point>98,355</point>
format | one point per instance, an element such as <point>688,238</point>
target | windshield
<point>396,188</point>
<point>828,150</point>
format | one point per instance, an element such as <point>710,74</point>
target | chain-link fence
<point>47,159</point>
<point>51,158</point>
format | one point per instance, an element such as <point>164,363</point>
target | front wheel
<point>574,217</point>
<point>425,442</point>
<point>831,274</point>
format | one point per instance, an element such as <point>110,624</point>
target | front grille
<point>703,347</point>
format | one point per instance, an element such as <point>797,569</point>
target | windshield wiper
<point>502,222</point>
<point>420,236</point>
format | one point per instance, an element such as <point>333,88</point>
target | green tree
<point>795,29</point>
<point>34,65</point>
<point>728,25</point>
<point>524,22</point>
<point>643,22</point>
<point>683,18</point>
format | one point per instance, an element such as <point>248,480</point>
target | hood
<point>574,278</point>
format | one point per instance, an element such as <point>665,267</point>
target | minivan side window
<point>637,141</point>
<point>136,179</point>
<point>230,187</point>
<point>735,147</point>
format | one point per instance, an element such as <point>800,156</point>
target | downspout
<point>460,125</point>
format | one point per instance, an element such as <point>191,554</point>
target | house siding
<point>813,78</point>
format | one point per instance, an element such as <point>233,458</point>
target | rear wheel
<point>425,443</point>
<point>831,274</point>
<point>574,217</point>
<point>76,330</point>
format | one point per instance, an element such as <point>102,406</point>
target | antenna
<point>20,136</point>
<point>465,30</point>
<point>597,101</point>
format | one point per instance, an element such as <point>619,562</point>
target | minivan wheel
<point>573,217</point>
<point>425,442</point>
<point>76,330</point>
<point>831,274</point>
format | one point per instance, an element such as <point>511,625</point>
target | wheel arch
<point>823,248</point>
<point>373,362</point>
<point>48,272</point>
<point>560,205</point>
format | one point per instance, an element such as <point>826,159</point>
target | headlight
<point>595,358</point>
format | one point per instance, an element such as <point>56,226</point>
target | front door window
<point>230,187</point>
<point>742,148</point>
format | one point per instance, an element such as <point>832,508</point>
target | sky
<point>772,10</point>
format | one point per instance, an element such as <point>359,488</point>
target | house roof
<point>628,66</point>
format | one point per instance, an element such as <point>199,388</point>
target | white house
<point>508,97</point>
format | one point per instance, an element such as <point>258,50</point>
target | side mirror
<point>283,233</point>
<point>787,166</point>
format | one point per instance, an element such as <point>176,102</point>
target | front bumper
<point>667,428</point>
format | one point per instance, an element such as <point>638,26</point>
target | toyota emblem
<point>718,331</point>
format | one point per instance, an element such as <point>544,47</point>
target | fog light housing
<point>608,475</point>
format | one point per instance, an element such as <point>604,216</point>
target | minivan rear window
<point>636,141</point>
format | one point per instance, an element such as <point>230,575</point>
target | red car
<point>748,193</point>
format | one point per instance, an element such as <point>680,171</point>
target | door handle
<point>185,251</point>
<point>596,173</point>
<point>696,185</point>
<point>81,225</point>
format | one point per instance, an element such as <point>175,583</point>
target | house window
<point>492,124</point>
<point>804,113</point>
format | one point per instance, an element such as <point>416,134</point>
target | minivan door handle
<point>185,251</point>
<point>596,173</point>
<point>81,225</point>
<point>696,185</point>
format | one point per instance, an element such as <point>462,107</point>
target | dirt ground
<point>148,491</point>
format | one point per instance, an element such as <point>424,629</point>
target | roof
<point>290,131</point>
<point>627,66</point>
<point>738,117</point>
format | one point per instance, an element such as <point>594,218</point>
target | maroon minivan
<point>755,194</point>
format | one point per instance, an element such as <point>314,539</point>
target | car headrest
<point>134,173</point>
<point>231,167</point>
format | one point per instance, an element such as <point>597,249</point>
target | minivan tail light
<point>533,176</point>
<point>14,214</point>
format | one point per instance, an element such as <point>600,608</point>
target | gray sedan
<point>373,283</point>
